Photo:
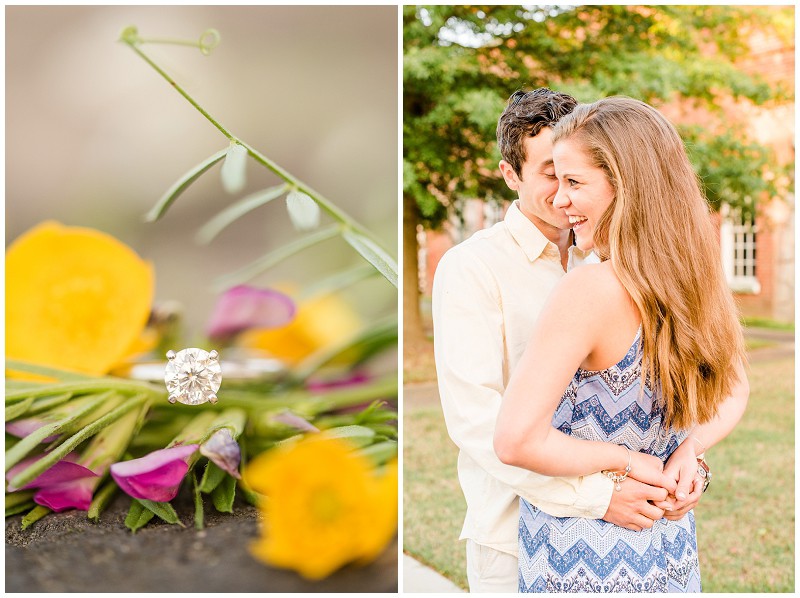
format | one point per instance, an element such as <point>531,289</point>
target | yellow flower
<point>326,506</point>
<point>318,323</point>
<point>76,298</point>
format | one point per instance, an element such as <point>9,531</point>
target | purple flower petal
<point>65,485</point>
<point>70,495</point>
<point>64,471</point>
<point>355,379</point>
<point>224,451</point>
<point>243,307</point>
<point>22,427</point>
<point>288,418</point>
<point>156,476</point>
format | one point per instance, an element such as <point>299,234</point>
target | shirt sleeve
<point>470,356</point>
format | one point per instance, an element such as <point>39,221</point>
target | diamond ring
<point>193,376</point>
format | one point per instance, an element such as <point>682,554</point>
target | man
<point>487,294</point>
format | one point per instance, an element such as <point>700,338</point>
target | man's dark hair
<point>526,114</point>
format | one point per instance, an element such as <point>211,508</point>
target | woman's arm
<point>728,415</point>
<point>572,325</point>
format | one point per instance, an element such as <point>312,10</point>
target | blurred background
<point>724,75</point>
<point>94,136</point>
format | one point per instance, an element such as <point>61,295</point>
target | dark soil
<point>65,552</point>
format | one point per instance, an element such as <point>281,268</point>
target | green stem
<point>58,453</point>
<point>198,504</point>
<point>196,431</point>
<point>87,386</point>
<point>17,498</point>
<point>101,499</point>
<point>313,403</point>
<point>179,89</point>
<point>34,516</point>
<point>15,454</point>
<point>323,202</point>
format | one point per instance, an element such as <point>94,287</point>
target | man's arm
<point>469,348</point>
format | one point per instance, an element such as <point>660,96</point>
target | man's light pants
<point>489,570</point>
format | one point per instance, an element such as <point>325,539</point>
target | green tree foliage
<point>462,62</point>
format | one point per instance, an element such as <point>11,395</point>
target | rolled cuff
<point>592,498</point>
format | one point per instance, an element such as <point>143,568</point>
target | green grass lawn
<point>767,323</point>
<point>745,523</point>
<point>751,344</point>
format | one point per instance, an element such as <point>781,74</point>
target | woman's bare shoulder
<point>596,280</point>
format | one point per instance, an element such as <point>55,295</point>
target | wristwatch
<point>704,472</point>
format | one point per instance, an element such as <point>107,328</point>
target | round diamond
<point>193,377</point>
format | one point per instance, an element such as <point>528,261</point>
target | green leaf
<point>358,436</point>
<point>32,440</point>
<point>101,499</point>
<point>41,370</point>
<point>266,262</point>
<point>223,495</point>
<point>338,281</point>
<point>380,452</point>
<point>163,510</point>
<point>17,385</point>
<point>182,184</point>
<point>20,508</point>
<point>198,503</point>
<point>304,212</point>
<point>212,476</point>
<point>46,403</point>
<point>234,169</point>
<point>18,409</point>
<point>232,213</point>
<point>15,498</point>
<point>250,496</point>
<point>375,255</point>
<point>364,343</point>
<point>34,516</point>
<point>137,516</point>
<point>72,442</point>
<point>375,413</point>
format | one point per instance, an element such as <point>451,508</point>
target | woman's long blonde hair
<point>664,248</point>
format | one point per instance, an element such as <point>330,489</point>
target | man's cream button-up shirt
<point>487,293</point>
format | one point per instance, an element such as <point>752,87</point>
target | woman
<point>647,344</point>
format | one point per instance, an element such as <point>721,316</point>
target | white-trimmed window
<point>738,246</point>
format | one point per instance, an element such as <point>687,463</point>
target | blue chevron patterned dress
<point>571,554</point>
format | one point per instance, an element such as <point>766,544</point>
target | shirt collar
<point>525,233</point>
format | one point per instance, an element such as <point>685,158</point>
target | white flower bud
<point>303,211</point>
<point>234,175</point>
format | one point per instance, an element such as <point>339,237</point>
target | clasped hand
<point>654,490</point>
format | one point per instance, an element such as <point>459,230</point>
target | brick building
<point>757,254</point>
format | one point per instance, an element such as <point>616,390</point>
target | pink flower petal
<point>23,427</point>
<point>156,476</point>
<point>288,418</point>
<point>63,471</point>
<point>71,495</point>
<point>243,307</point>
<point>355,379</point>
<point>65,485</point>
<point>224,451</point>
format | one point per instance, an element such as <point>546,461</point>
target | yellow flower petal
<point>318,323</point>
<point>325,507</point>
<point>76,298</point>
